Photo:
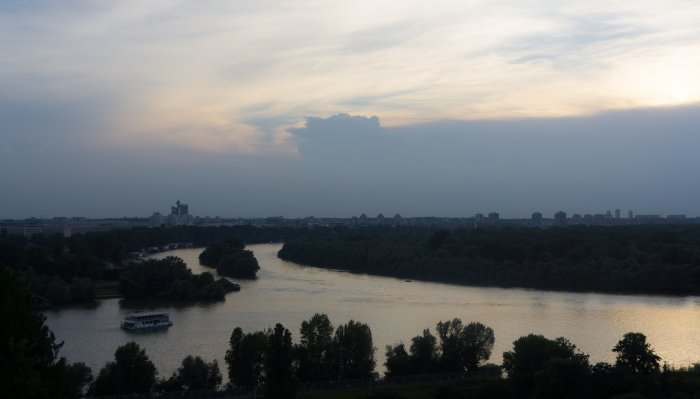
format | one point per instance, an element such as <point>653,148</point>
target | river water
<point>396,310</point>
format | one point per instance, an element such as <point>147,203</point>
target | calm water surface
<point>395,310</point>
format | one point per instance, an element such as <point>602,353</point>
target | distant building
<point>536,219</point>
<point>479,217</point>
<point>676,217</point>
<point>576,219</point>
<point>158,220</point>
<point>560,218</point>
<point>617,213</point>
<point>179,209</point>
<point>630,214</point>
<point>493,216</point>
<point>179,216</point>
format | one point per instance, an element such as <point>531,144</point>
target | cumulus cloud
<point>472,97</point>
<point>629,159</point>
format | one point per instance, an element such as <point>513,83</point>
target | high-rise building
<point>536,219</point>
<point>179,209</point>
<point>560,218</point>
<point>493,216</point>
<point>630,214</point>
<point>617,213</point>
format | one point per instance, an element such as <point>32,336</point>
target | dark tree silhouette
<point>636,355</point>
<point>280,381</point>
<point>464,347</point>
<point>535,356</point>
<point>424,353</point>
<point>230,259</point>
<point>29,358</point>
<point>131,372</point>
<point>194,374</point>
<point>314,350</point>
<point>398,362</point>
<point>353,351</point>
<point>245,357</point>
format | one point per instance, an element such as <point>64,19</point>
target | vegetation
<point>536,367</point>
<point>167,278</point>
<point>131,372</point>
<point>269,358</point>
<point>31,367</point>
<point>195,374</point>
<point>640,259</point>
<point>462,348</point>
<point>66,270</point>
<point>230,259</point>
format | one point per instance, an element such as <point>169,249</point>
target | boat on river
<point>142,322</point>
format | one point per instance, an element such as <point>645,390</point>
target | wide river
<point>396,310</point>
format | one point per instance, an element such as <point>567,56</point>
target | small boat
<point>140,322</point>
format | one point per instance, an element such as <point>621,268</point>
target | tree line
<point>167,278</point>
<point>65,270</point>
<point>535,367</point>
<point>625,259</point>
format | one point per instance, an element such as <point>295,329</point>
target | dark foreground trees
<point>546,368</point>
<point>131,372</point>
<point>636,355</point>
<point>314,354</point>
<point>29,363</point>
<point>462,348</point>
<point>268,357</point>
<point>263,357</point>
<point>194,374</point>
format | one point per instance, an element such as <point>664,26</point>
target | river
<point>396,310</point>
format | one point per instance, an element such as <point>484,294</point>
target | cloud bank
<point>117,108</point>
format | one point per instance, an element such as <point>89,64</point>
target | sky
<point>335,108</point>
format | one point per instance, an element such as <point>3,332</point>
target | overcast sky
<point>337,108</point>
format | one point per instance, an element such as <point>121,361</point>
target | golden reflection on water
<point>396,310</point>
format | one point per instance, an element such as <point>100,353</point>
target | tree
<point>314,350</point>
<point>564,378</point>
<point>535,358</point>
<point>398,362</point>
<point>245,356</point>
<point>464,347</point>
<point>29,358</point>
<point>635,354</point>
<point>230,259</point>
<point>131,372</point>
<point>194,374</point>
<point>477,344</point>
<point>450,351</point>
<point>353,351</point>
<point>424,354</point>
<point>280,381</point>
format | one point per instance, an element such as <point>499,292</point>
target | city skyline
<point>113,109</point>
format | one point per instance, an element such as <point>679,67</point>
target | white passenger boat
<point>150,321</point>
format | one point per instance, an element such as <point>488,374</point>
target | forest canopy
<point>634,259</point>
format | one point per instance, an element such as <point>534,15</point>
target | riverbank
<point>647,260</point>
<point>395,310</point>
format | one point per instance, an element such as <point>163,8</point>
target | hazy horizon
<point>305,108</point>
